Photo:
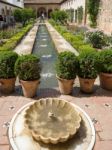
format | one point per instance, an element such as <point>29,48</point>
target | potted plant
<point>66,68</point>
<point>7,76</point>
<point>28,68</point>
<point>105,61</point>
<point>87,70</point>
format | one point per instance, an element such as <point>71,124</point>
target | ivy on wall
<point>70,13</point>
<point>80,14</point>
<point>93,9</point>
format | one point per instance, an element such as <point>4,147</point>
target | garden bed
<point>77,40</point>
<point>15,39</point>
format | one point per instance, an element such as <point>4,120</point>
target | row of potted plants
<point>27,68</point>
<point>88,65</point>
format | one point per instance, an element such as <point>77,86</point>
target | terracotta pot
<point>7,86</point>
<point>29,87</point>
<point>106,81</point>
<point>86,85</point>
<point>65,86</point>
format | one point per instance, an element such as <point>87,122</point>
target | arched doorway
<point>49,13</point>
<point>41,11</point>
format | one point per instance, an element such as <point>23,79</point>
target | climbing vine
<point>70,13</point>
<point>93,9</point>
<point>80,14</point>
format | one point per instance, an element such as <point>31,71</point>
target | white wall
<point>73,4</point>
<point>16,2</point>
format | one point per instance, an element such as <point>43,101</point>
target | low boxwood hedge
<point>12,42</point>
<point>77,41</point>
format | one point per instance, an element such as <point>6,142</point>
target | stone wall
<point>105,16</point>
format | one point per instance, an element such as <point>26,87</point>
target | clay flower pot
<point>106,81</point>
<point>86,85</point>
<point>29,87</point>
<point>65,86</point>
<point>7,86</point>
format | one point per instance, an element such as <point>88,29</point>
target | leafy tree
<point>59,16</point>
<point>18,15</point>
<point>24,15</point>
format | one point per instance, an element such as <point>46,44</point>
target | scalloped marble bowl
<point>52,120</point>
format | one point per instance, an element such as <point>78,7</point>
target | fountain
<point>51,124</point>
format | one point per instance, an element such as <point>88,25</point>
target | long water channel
<point>45,49</point>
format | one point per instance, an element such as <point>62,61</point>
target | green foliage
<point>70,13</point>
<point>7,62</point>
<point>24,15</point>
<point>80,14</point>
<point>96,38</point>
<point>61,29</point>
<point>18,15</point>
<point>77,41</point>
<point>86,47</point>
<point>105,61</point>
<point>87,64</point>
<point>14,40</point>
<point>52,22</point>
<point>28,68</point>
<point>66,66</point>
<point>59,16</point>
<point>93,9</point>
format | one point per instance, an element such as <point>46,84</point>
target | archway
<point>41,11</point>
<point>49,13</point>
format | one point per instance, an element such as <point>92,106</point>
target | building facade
<point>73,7</point>
<point>6,11</point>
<point>104,21</point>
<point>43,6</point>
<point>105,16</point>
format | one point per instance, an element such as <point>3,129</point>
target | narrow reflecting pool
<point>45,49</point>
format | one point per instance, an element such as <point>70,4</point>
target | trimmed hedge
<point>28,67</point>
<point>105,61</point>
<point>12,42</point>
<point>88,64</point>
<point>77,41</point>
<point>66,65</point>
<point>7,62</point>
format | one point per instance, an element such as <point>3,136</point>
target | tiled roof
<point>42,1</point>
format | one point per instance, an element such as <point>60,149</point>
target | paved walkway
<point>97,105</point>
<point>26,45</point>
<point>60,43</point>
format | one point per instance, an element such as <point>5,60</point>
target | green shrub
<point>96,38</point>
<point>66,66</point>
<point>87,64</point>
<point>52,22</point>
<point>59,16</point>
<point>105,61</point>
<point>7,62</point>
<point>12,42</point>
<point>24,15</point>
<point>85,47</point>
<point>28,68</point>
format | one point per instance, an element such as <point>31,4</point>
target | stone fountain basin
<point>52,120</point>
<point>20,138</point>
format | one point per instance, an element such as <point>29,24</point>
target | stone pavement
<point>60,43</point>
<point>98,106</point>
<point>26,45</point>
